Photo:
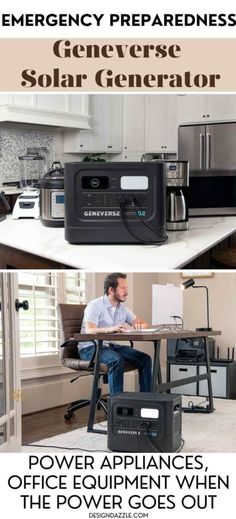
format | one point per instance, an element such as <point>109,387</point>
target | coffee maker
<point>177,185</point>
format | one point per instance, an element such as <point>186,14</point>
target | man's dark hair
<point>111,281</point>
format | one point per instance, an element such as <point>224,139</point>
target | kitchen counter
<point>182,247</point>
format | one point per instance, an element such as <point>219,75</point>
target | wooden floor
<point>45,424</point>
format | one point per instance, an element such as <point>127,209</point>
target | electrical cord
<point>192,405</point>
<point>136,205</point>
<point>138,208</point>
<point>122,205</point>
<point>58,447</point>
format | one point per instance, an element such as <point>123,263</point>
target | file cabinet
<point>223,378</point>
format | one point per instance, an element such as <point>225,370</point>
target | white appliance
<point>27,205</point>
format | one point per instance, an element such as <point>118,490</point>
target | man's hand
<point>120,328</point>
<point>138,326</point>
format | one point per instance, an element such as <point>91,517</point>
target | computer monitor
<point>167,301</point>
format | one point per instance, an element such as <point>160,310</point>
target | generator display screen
<point>95,182</point>
<point>134,182</point>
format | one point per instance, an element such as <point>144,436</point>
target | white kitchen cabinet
<point>78,103</point>
<point>132,157</point>
<point>106,132</point>
<point>134,124</point>
<point>191,108</point>
<point>55,102</point>
<point>221,107</point>
<point>161,124</point>
<point>45,109</point>
<point>18,99</point>
<point>206,108</point>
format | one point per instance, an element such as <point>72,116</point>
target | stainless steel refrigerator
<point>211,152</point>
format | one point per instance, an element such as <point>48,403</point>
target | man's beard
<point>119,300</point>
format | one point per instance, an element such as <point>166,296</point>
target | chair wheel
<point>68,416</point>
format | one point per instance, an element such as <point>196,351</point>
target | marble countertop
<point>182,246</point>
<point>11,190</point>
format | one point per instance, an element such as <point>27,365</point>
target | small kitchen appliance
<point>32,168</point>
<point>27,205</point>
<point>116,202</point>
<point>52,206</point>
<point>177,182</point>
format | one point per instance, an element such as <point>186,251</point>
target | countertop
<point>182,246</point>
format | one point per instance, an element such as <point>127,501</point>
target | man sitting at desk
<point>108,314</point>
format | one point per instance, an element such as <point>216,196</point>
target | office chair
<point>70,318</point>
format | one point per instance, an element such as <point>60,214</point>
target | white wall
<point>222,304</point>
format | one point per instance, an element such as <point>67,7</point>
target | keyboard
<point>163,329</point>
<point>150,330</point>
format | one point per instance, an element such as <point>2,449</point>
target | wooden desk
<point>157,385</point>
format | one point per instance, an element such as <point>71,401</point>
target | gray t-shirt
<point>103,314</point>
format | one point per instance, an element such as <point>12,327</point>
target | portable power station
<point>115,202</point>
<point>144,422</point>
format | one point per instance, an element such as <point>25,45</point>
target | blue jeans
<point>114,356</point>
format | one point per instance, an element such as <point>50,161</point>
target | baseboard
<point>40,394</point>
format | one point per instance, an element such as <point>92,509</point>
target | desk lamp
<point>191,283</point>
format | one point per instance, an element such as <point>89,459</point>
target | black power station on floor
<point>144,422</point>
<point>115,202</point>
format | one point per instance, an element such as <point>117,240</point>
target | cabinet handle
<point>201,150</point>
<point>213,370</point>
<point>81,145</point>
<point>208,151</point>
<point>183,369</point>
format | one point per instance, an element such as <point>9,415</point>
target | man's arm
<point>93,328</point>
<point>139,324</point>
<point>134,321</point>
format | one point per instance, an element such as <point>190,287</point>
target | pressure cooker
<point>52,197</point>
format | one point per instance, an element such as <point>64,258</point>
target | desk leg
<point>156,372</point>
<point>208,368</point>
<point>93,400</point>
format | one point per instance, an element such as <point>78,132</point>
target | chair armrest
<point>70,355</point>
<point>69,342</point>
<point>91,364</point>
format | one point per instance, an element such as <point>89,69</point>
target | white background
<point>221,465</point>
<point>16,463</point>
<point>123,6</point>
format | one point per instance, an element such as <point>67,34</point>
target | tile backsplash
<point>14,142</point>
